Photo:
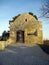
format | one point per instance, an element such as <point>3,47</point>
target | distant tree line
<point>5,36</point>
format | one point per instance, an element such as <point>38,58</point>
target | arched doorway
<point>20,36</point>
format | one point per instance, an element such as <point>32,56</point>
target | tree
<point>5,36</point>
<point>45,9</point>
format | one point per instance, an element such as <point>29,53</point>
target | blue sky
<point>10,8</point>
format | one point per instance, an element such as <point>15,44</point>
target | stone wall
<point>31,39</point>
<point>40,34</point>
<point>2,45</point>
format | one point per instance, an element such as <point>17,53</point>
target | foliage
<point>20,14</point>
<point>33,15</point>
<point>14,18</point>
<point>45,46</point>
<point>5,36</point>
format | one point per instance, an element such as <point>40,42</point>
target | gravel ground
<point>23,55</point>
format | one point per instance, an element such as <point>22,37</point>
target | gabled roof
<point>22,15</point>
<point>25,21</point>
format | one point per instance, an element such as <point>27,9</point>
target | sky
<point>11,8</point>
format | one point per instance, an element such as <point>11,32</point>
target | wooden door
<point>20,36</point>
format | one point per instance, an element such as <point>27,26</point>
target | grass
<point>46,42</point>
<point>45,46</point>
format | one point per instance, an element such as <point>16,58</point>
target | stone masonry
<point>26,29</point>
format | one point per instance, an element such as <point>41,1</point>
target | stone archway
<point>20,36</point>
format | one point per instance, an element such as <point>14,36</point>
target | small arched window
<point>26,20</point>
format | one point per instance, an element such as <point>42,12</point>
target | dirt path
<point>23,55</point>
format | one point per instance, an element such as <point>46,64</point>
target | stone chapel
<point>26,29</point>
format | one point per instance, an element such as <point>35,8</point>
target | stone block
<point>2,45</point>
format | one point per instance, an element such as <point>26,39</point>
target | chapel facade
<point>26,29</point>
